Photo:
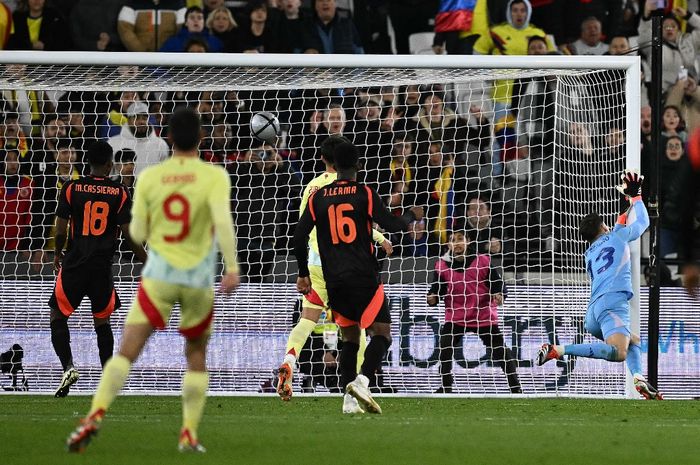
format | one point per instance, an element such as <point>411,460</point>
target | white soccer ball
<point>265,126</point>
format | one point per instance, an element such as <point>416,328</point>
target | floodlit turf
<point>143,430</point>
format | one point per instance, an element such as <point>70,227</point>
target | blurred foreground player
<point>343,213</point>
<point>609,269</point>
<point>180,206</point>
<point>97,209</point>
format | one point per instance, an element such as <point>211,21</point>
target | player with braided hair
<point>609,269</point>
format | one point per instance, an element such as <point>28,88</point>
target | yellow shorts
<point>318,297</point>
<point>155,300</point>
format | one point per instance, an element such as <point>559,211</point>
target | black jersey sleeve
<point>301,239</point>
<point>63,210</point>
<point>124,211</point>
<point>383,217</point>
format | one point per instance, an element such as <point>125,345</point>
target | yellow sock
<point>194,395</point>
<point>361,351</point>
<point>298,336</point>
<point>114,375</point>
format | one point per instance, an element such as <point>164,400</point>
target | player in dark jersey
<point>92,210</point>
<point>343,213</point>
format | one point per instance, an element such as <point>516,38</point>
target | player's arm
<point>63,214</point>
<point>636,219</point>
<point>437,289</point>
<point>379,238</point>
<point>386,220</point>
<point>220,207</point>
<point>497,288</point>
<point>301,247</point>
<point>123,220</point>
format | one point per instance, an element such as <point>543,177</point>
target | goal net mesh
<point>515,157</point>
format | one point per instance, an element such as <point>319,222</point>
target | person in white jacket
<point>138,135</point>
<point>680,48</point>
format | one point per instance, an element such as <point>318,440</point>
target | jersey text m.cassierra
<point>96,207</point>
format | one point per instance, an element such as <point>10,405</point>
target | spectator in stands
<point>43,148</point>
<point>330,31</point>
<point>334,119</point>
<point>265,205</point>
<point>12,136</point>
<point>256,34</point>
<point>402,173</point>
<point>5,24</point>
<point>210,6</point>
<point>672,124</point>
<point>38,27</point>
<point>619,45</point>
<point>116,118</point>
<point>144,25</point>
<point>437,181</point>
<point>58,168</point>
<point>392,121</point>
<point>590,41</point>
<point>608,12</point>
<point>196,45</point>
<point>549,15</point>
<point>16,193</point>
<point>673,168</point>
<point>478,222</point>
<point>216,148</point>
<point>124,164</point>
<point>685,96</point>
<point>408,17</point>
<point>679,48</point>
<point>138,135</point>
<point>31,105</point>
<point>512,39</point>
<point>410,98</point>
<point>192,29</point>
<point>222,25</point>
<point>458,25</point>
<point>291,26</point>
<point>94,25</point>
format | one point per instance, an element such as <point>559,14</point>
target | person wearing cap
<point>679,48</point>
<point>193,29</point>
<point>138,135</point>
<point>685,96</point>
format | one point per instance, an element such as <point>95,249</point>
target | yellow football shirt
<point>34,26</point>
<point>180,205</point>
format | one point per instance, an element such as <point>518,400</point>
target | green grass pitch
<point>307,430</point>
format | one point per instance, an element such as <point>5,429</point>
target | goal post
<point>442,132</point>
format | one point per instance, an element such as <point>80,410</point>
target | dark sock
<point>348,363</point>
<point>60,338</point>
<point>374,354</point>
<point>105,342</point>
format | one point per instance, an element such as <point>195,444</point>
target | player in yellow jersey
<point>316,302</point>
<point>180,206</point>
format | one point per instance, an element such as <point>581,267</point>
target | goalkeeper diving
<point>609,268</point>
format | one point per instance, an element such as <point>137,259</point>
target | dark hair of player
<point>99,154</point>
<point>328,146</point>
<point>589,228</point>
<point>184,129</point>
<point>346,158</point>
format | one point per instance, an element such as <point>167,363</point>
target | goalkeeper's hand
<point>631,183</point>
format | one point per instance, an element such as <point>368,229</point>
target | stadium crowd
<point>486,168</point>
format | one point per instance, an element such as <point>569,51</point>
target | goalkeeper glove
<point>631,183</point>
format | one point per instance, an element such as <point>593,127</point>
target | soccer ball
<point>265,126</point>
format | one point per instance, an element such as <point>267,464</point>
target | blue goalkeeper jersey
<point>608,258</point>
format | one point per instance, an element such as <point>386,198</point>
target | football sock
<point>105,342</point>
<point>594,350</point>
<point>348,363</point>
<point>297,338</point>
<point>194,395</point>
<point>60,338</point>
<point>634,359</point>
<point>376,349</point>
<point>114,375</point>
<point>361,351</point>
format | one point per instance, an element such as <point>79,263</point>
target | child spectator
<point>472,290</point>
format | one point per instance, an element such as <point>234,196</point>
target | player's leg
<point>197,313</point>
<point>66,297</point>
<point>104,301</point>
<point>492,338</point>
<point>150,309</point>
<point>312,307</point>
<point>608,315</point>
<point>348,363</point>
<point>634,365</point>
<point>449,338</point>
